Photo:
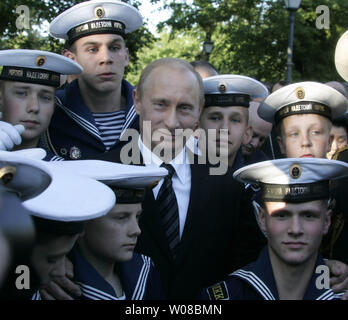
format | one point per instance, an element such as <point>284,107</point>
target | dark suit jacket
<point>208,245</point>
<point>335,243</point>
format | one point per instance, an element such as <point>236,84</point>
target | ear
<point>126,57</point>
<point>136,101</point>
<point>69,54</point>
<point>281,145</point>
<point>248,134</point>
<point>329,144</point>
<point>327,221</point>
<point>262,219</point>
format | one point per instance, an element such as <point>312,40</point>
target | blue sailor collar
<point>72,93</point>
<point>260,276</point>
<point>238,161</point>
<point>133,274</point>
<point>70,101</point>
<point>92,284</point>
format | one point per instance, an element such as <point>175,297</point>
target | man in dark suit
<point>170,96</point>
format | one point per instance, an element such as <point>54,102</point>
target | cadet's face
<point>305,135</point>
<point>114,236</point>
<point>339,140</point>
<point>103,58</point>
<point>49,259</point>
<point>31,105</point>
<point>170,101</point>
<point>231,119</point>
<point>295,231</point>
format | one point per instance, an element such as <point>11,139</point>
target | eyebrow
<point>163,100</point>
<point>96,43</point>
<point>21,87</point>
<point>29,87</point>
<point>317,212</point>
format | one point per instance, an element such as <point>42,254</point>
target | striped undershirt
<point>110,125</point>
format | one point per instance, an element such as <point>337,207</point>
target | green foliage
<point>251,36</point>
<point>184,45</point>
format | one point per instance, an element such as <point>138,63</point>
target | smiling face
<point>169,100</point>
<point>31,105</point>
<point>305,135</point>
<point>103,58</point>
<point>113,237</point>
<point>234,120</point>
<point>295,230</point>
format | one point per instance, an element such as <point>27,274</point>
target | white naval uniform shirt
<point>181,181</point>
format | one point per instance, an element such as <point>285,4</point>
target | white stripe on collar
<point>140,287</point>
<point>95,294</point>
<point>81,121</point>
<point>256,282</point>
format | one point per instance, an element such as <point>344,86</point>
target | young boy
<point>302,113</point>
<point>294,216</point>
<point>105,265</point>
<point>27,87</point>
<point>97,107</point>
<point>227,99</point>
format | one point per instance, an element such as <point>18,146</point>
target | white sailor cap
<point>228,90</point>
<point>293,179</point>
<point>129,182</point>
<point>32,153</point>
<point>95,17</point>
<point>341,56</point>
<point>71,197</point>
<point>23,176</point>
<point>301,98</point>
<point>35,66</point>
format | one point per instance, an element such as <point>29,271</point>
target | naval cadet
<point>105,265</point>
<point>294,214</point>
<point>302,113</point>
<point>227,99</point>
<point>96,108</point>
<point>28,82</point>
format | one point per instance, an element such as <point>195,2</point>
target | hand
<point>339,277</point>
<point>61,288</point>
<point>10,135</point>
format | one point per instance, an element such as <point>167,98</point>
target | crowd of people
<point>192,185</point>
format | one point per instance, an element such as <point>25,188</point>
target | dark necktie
<point>169,212</point>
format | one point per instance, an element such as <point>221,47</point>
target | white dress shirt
<point>181,180</point>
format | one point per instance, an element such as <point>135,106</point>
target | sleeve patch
<point>218,291</point>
